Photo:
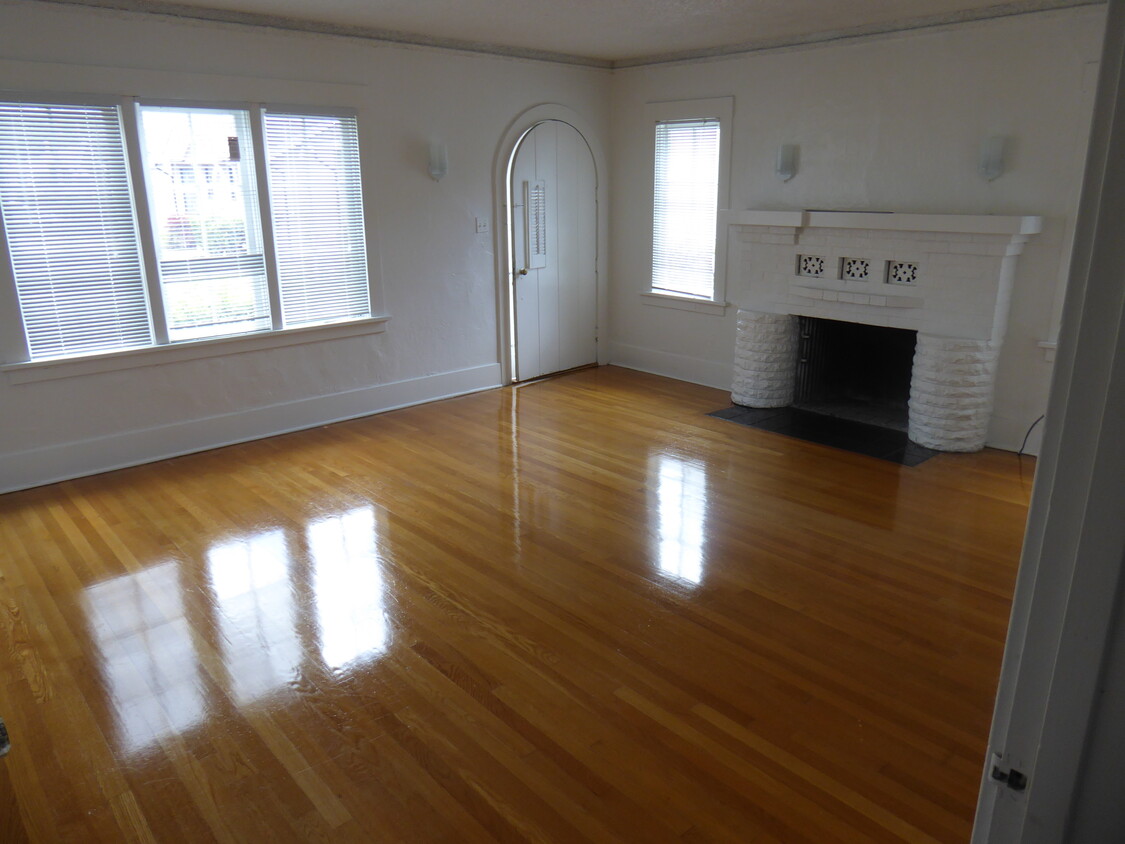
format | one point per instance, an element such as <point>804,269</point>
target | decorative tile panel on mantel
<point>947,276</point>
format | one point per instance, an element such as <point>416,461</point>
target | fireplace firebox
<point>855,371</point>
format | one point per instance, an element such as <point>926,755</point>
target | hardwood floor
<point>580,610</point>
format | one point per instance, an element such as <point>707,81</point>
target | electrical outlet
<point>482,225</point>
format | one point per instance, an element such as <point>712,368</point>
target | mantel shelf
<point>987,224</point>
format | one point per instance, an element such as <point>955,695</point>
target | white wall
<point>438,277</point>
<point>890,123</point>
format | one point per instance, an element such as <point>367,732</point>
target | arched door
<point>554,251</point>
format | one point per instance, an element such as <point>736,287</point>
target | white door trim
<point>505,153</point>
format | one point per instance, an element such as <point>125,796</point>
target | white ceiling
<point>606,32</point>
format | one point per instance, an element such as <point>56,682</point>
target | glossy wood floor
<point>580,610</point>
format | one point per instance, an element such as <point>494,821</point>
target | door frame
<point>509,145</point>
<point>1068,607</point>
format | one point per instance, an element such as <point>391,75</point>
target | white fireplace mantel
<point>960,267</point>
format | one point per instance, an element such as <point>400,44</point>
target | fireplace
<point>946,279</point>
<point>854,371</point>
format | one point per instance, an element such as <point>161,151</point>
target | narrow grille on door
<point>537,224</point>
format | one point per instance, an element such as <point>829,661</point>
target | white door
<point>554,251</point>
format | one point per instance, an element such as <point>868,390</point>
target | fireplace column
<point>951,389</point>
<point>765,359</point>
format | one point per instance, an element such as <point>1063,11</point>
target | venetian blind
<point>685,207</point>
<point>317,210</point>
<point>68,215</point>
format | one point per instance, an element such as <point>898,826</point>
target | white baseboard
<point>1007,434</point>
<point>24,469</point>
<point>709,373</point>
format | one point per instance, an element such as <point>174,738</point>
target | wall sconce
<point>439,160</point>
<point>991,164</point>
<point>786,164</point>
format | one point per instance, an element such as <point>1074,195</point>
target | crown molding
<point>389,36</point>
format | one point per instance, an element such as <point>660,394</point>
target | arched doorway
<point>552,299</point>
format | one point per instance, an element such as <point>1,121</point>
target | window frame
<point>15,360</point>
<point>714,108</point>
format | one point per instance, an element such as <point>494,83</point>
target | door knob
<point>523,271</point>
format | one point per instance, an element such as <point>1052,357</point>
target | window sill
<point>682,303</point>
<point>49,370</point>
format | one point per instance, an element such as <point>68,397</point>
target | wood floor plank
<point>574,610</point>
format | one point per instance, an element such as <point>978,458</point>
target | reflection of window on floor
<point>148,648</point>
<point>681,492</point>
<point>257,619</point>
<point>348,584</point>
<point>147,653</point>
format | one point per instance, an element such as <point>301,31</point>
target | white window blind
<point>316,204</point>
<point>685,207</point>
<point>203,200</point>
<point>67,210</point>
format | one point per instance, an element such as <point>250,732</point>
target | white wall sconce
<point>786,164</point>
<point>439,160</point>
<point>991,164</point>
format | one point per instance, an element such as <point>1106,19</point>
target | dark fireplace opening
<point>854,371</point>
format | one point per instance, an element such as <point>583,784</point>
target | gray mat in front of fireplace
<point>858,437</point>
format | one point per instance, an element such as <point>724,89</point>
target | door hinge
<point>1015,780</point>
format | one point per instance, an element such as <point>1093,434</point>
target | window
<point>684,212</point>
<point>280,245</point>
<point>688,167</point>
<point>317,217</point>
<point>68,216</point>
<point>210,255</point>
